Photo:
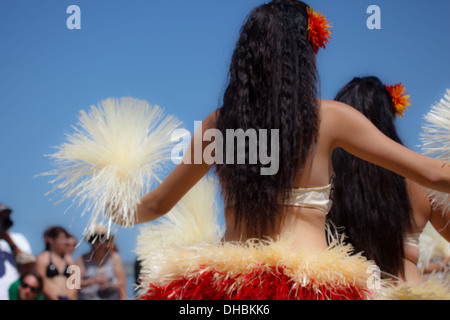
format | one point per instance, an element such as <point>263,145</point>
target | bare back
<point>305,225</point>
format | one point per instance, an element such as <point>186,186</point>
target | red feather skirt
<point>257,285</point>
<point>265,272</point>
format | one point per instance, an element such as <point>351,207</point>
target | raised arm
<point>159,201</point>
<point>357,135</point>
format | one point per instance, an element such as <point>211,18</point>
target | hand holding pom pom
<point>115,153</point>
<point>116,215</point>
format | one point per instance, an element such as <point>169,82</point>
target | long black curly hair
<point>370,202</point>
<point>272,85</point>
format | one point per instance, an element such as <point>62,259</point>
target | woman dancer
<point>382,213</point>
<point>272,88</point>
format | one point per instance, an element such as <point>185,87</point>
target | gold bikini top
<point>316,198</point>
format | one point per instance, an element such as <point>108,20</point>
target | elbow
<point>154,210</point>
<point>151,208</point>
<point>439,179</point>
<point>160,208</point>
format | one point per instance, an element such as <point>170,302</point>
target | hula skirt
<point>255,271</point>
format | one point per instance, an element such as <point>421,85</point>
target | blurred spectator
<point>137,271</point>
<point>137,277</point>
<point>71,245</point>
<point>53,265</point>
<point>102,272</point>
<point>25,262</point>
<point>12,246</point>
<point>28,287</point>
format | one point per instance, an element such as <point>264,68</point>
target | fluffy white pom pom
<point>193,220</point>
<point>114,154</point>
<point>436,142</point>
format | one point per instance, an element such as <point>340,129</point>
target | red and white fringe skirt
<point>254,271</point>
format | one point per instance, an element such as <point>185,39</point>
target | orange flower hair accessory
<point>318,29</point>
<point>400,99</point>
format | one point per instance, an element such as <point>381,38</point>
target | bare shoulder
<point>345,120</point>
<point>69,258</point>
<point>211,120</point>
<point>42,261</point>
<point>337,117</point>
<point>329,104</point>
<point>331,109</point>
<point>43,256</point>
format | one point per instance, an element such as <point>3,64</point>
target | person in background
<point>28,287</point>
<point>25,262</point>
<point>71,245</point>
<point>102,273</point>
<point>53,265</point>
<point>13,247</point>
<point>383,214</point>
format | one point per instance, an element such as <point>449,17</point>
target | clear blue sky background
<point>176,54</point>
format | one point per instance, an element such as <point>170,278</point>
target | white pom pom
<point>436,143</point>
<point>114,154</point>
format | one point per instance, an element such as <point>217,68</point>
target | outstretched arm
<point>159,201</point>
<point>358,136</point>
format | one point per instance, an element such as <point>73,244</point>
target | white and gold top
<point>316,198</point>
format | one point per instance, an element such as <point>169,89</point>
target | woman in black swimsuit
<point>53,265</point>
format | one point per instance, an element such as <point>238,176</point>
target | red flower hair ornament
<point>400,99</point>
<point>318,29</point>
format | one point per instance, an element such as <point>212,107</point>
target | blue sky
<point>176,54</point>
